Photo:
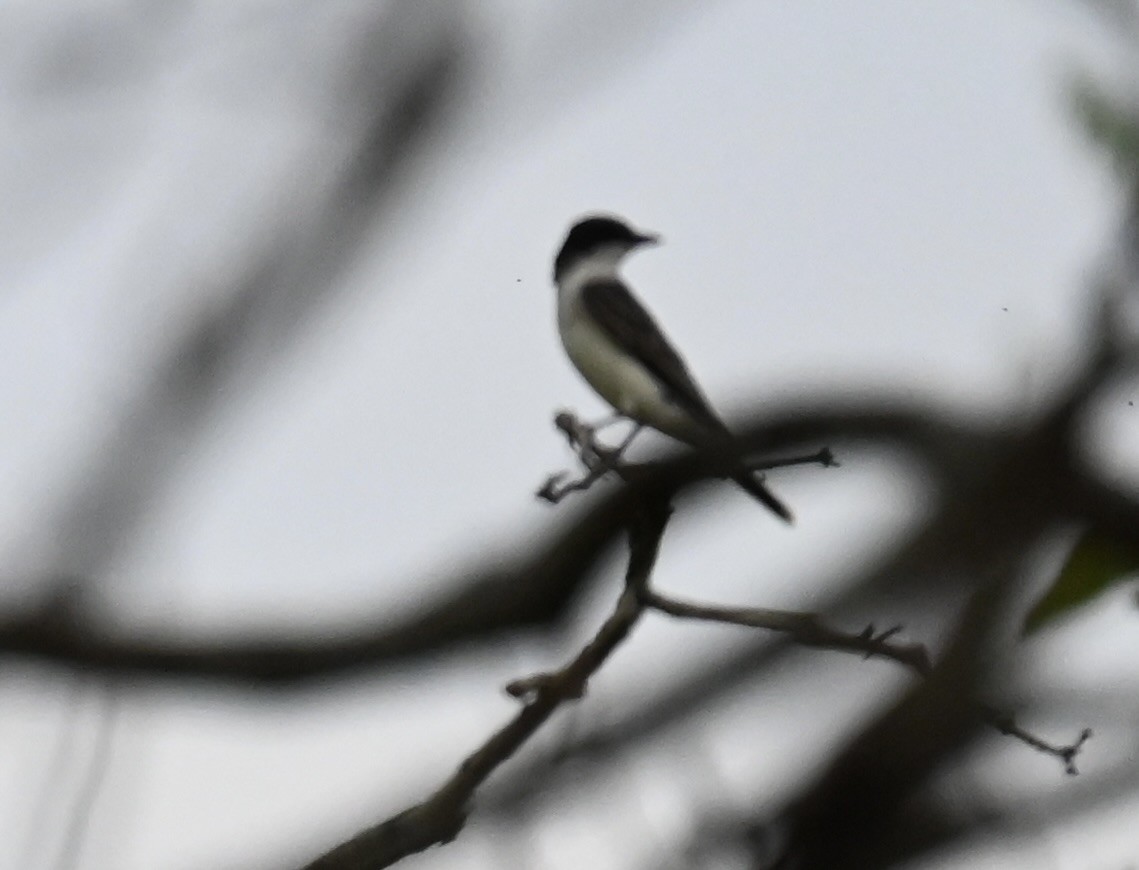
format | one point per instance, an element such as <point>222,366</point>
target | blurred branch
<point>985,476</point>
<point>440,818</point>
<point>395,109</point>
<point>982,473</point>
<point>999,489</point>
<point>807,630</point>
<point>98,762</point>
<point>487,601</point>
<point>1012,504</point>
<point>1121,16</point>
<point>711,684</point>
<point>63,756</point>
<point>868,809</point>
<point>860,812</point>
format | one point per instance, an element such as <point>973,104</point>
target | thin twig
<point>597,460</point>
<point>806,629</point>
<point>823,457</point>
<point>1066,752</point>
<point>440,818</point>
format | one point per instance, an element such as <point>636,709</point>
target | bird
<point>616,345</point>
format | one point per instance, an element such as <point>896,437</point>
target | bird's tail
<point>757,490</point>
<point>717,434</point>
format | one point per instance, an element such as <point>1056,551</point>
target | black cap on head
<point>594,232</point>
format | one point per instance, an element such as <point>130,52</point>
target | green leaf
<point>1096,562</point>
<point>1109,123</point>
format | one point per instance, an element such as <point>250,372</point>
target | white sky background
<point>850,195</point>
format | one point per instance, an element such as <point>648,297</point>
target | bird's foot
<point>597,459</point>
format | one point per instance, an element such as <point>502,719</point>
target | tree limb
<point>439,819</point>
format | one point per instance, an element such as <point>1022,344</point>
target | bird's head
<point>599,238</point>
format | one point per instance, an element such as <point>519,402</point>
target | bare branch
<point>985,471</point>
<point>807,629</point>
<point>1065,752</point>
<point>804,629</point>
<point>597,460</point>
<point>489,599</point>
<point>440,818</point>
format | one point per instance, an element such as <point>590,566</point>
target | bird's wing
<point>631,327</point>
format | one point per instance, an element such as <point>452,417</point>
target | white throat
<point>602,264</point>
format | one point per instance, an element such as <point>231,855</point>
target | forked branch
<point>807,629</point>
<point>440,818</point>
<point>597,460</point>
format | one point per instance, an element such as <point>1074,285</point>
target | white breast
<point>616,376</point>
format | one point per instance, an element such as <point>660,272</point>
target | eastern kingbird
<point>618,348</point>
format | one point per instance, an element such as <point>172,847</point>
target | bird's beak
<point>648,239</point>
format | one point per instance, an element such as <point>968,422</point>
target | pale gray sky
<point>850,195</point>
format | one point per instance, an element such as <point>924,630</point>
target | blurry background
<point>277,329</point>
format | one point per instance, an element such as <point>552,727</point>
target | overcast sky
<point>851,196</point>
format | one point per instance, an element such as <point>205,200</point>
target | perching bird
<point>618,348</point>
